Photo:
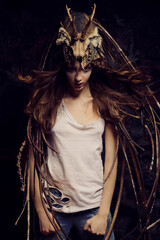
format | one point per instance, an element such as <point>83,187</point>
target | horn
<point>75,34</point>
<point>89,21</point>
<point>93,12</point>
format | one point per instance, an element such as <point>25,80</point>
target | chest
<point>82,112</point>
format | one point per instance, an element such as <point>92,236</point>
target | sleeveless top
<point>75,173</point>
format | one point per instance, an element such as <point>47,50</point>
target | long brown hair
<point>115,91</point>
<point>112,88</point>
<point>47,92</point>
<point>111,91</point>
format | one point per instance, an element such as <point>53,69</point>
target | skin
<point>79,102</point>
<point>77,79</point>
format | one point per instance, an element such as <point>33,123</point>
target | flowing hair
<point>112,92</point>
<point>113,89</point>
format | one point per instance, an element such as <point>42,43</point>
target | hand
<point>45,225</point>
<point>96,225</point>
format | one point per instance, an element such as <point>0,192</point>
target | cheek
<point>87,75</point>
<point>70,77</point>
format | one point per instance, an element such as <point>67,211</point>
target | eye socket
<point>87,68</point>
<point>70,69</point>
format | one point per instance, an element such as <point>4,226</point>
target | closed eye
<point>88,68</point>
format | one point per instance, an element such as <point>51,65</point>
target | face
<point>78,77</point>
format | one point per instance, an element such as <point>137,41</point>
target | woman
<point>77,171</point>
<point>86,95</point>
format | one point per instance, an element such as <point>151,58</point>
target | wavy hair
<point>112,89</point>
<point>112,92</point>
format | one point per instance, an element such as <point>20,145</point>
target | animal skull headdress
<point>88,42</point>
<point>87,45</point>
<point>81,46</point>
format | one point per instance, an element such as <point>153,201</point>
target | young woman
<point>77,171</point>
<point>83,98</point>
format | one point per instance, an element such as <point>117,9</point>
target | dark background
<point>24,29</point>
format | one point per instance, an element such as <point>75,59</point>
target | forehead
<point>76,65</point>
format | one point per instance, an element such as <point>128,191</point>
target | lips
<point>78,85</point>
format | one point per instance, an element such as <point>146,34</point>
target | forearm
<point>98,223</point>
<point>110,169</point>
<point>108,190</point>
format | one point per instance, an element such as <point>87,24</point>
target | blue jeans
<point>77,220</point>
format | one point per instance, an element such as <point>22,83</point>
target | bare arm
<point>109,185</point>
<point>44,223</point>
<point>98,223</point>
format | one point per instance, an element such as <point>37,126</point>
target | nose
<point>78,76</point>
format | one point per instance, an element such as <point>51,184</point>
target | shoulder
<point>110,129</point>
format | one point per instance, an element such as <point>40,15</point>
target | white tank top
<point>76,172</point>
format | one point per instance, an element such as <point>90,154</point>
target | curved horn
<point>75,34</point>
<point>89,21</point>
<point>93,12</point>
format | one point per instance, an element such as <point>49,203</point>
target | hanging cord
<point>29,135</point>
<point>139,176</point>
<point>27,203</point>
<point>156,181</point>
<point>34,143</point>
<point>141,189</point>
<point>132,180</point>
<point>19,157</point>
<point>154,97</point>
<point>45,55</point>
<point>153,224</point>
<point>154,189</point>
<point>134,189</point>
<point>46,142</point>
<point>128,137</point>
<point>157,142</point>
<point>23,177</point>
<point>118,49</point>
